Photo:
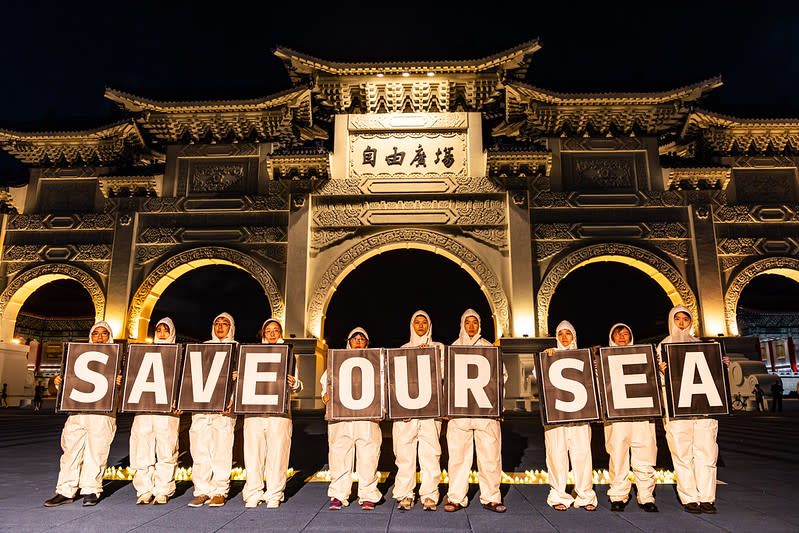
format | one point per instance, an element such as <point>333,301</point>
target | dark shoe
<point>335,504</point>
<point>368,506</point>
<point>649,507</point>
<point>452,507</point>
<point>708,507</point>
<point>57,500</point>
<point>496,507</point>
<point>692,507</point>
<point>199,501</point>
<point>90,500</point>
<point>618,506</point>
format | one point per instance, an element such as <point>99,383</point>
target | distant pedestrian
<point>759,397</point>
<point>38,395</point>
<point>4,395</point>
<point>776,396</point>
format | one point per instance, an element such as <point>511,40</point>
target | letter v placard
<point>206,377</point>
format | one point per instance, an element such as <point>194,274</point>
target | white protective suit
<point>423,434</point>
<point>267,443</point>
<point>569,441</point>
<point>154,444</point>
<point>86,442</point>
<point>351,441</point>
<point>631,438</point>
<point>211,441</point>
<point>692,441</point>
<point>466,434</point>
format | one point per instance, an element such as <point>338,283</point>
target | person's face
<point>162,332</point>
<point>565,337</point>
<point>471,325</point>
<point>420,325</point>
<point>682,320</point>
<point>100,334</point>
<point>272,332</point>
<point>221,327</point>
<point>358,342</point>
<point>621,336</point>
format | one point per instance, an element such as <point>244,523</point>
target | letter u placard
<point>473,382</point>
<point>152,374</point>
<point>413,379</point>
<point>696,379</point>
<point>89,378</point>
<point>357,384</point>
<point>206,377</point>
<point>567,386</point>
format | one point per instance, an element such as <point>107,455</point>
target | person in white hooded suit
<point>154,442</point>
<point>418,434</point>
<point>267,441</point>
<point>565,441</point>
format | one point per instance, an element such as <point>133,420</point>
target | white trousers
<point>692,442</point>
<point>636,439</point>
<point>154,453</point>
<point>562,443</point>
<point>211,444</point>
<point>267,444</point>
<point>358,442</point>
<point>463,435</point>
<point>408,437</point>
<point>86,441</point>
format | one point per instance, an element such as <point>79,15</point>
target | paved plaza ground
<point>758,466</point>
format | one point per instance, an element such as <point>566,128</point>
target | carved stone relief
<point>603,143</point>
<point>218,177</point>
<point>323,238</point>
<point>487,212</point>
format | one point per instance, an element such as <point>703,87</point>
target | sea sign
<point>413,383</point>
<point>261,386</point>
<point>473,382</point>
<point>567,386</point>
<point>696,379</point>
<point>356,378</point>
<point>628,382</point>
<point>206,377</point>
<point>152,372</point>
<point>89,378</point>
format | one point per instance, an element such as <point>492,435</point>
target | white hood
<point>463,338</point>
<point>676,334</point>
<point>613,328</point>
<point>172,333</point>
<point>357,330</point>
<point>231,336</point>
<point>105,325</point>
<point>276,321</point>
<point>417,340</point>
<point>566,325</point>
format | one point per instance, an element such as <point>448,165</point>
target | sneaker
<point>429,504</point>
<point>368,506</point>
<point>335,504</point>
<point>692,508</point>
<point>161,499</point>
<point>708,507</point>
<point>144,499</point>
<point>57,500</point>
<point>252,503</point>
<point>273,504</point>
<point>90,499</point>
<point>217,501</point>
<point>649,507</point>
<point>199,501</point>
<point>405,504</point>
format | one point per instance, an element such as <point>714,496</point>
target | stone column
<point>297,265</point>
<point>522,296</point>
<point>710,294</point>
<point>118,288</point>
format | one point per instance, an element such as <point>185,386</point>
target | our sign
<point>628,382</point>
<point>261,386</point>
<point>696,379</point>
<point>567,386</point>
<point>152,374</point>
<point>473,382</point>
<point>413,379</point>
<point>356,384</point>
<point>89,378</point>
<point>206,377</point>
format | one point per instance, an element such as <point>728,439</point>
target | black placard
<point>261,386</point>
<point>696,379</point>
<point>567,386</point>
<point>89,378</point>
<point>473,381</point>
<point>413,383</point>
<point>152,373</point>
<point>209,365</point>
<point>628,382</point>
<point>356,384</point>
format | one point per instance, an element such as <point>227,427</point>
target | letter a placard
<point>261,385</point>
<point>628,382</point>
<point>567,386</point>
<point>356,391</point>
<point>205,381</point>
<point>473,382</point>
<point>413,377</point>
<point>151,378</point>
<point>696,379</point>
<point>89,378</point>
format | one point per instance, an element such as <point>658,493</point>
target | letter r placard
<point>89,378</point>
<point>567,387</point>
<point>473,382</point>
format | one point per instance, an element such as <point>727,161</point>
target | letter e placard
<point>261,386</point>
<point>567,386</point>
<point>628,382</point>
<point>413,377</point>
<point>205,380</point>
<point>696,379</point>
<point>89,378</point>
<point>473,381</point>
<point>357,384</point>
<point>151,378</point>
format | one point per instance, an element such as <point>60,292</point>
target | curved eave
<point>122,129</point>
<point>702,119</point>
<point>137,104</point>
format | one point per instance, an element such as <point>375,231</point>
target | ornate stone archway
<point>663,273</point>
<point>784,266</point>
<point>408,238</point>
<point>26,283</point>
<point>151,289</point>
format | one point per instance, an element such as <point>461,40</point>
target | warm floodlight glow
<point>380,74</point>
<point>406,74</point>
<point>16,341</point>
<point>431,73</point>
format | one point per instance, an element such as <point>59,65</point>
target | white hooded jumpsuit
<point>211,441</point>
<point>351,441</point>
<point>631,438</point>
<point>466,434</point>
<point>692,441</point>
<point>565,441</point>
<point>86,442</point>
<point>154,444</point>
<point>267,443</point>
<point>416,433</point>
